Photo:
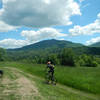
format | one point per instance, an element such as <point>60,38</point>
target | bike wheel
<point>47,78</point>
<point>54,81</point>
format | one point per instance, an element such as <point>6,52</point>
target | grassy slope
<point>48,92</point>
<point>86,79</point>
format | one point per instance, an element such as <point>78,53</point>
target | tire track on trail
<point>16,86</point>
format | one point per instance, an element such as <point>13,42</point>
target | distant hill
<point>47,47</point>
<point>49,44</point>
<point>95,44</point>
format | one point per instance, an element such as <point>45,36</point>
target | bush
<point>87,60</point>
<point>94,64</point>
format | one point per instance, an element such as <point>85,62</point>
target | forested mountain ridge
<point>95,44</point>
<point>54,46</point>
<point>48,44</point>
<point>58,51</point>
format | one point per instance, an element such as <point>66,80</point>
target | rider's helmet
<point>48,62</point>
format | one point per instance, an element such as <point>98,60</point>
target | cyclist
<point>50,68</point>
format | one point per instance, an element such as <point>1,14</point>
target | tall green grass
<point>83,78</point>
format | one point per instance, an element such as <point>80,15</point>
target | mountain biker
<point>50,68</point>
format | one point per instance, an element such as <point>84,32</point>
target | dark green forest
<point>3,55</point>
<point>56,51</point>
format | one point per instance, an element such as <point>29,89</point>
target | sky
<point>24,22</point>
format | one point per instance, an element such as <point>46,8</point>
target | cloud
<point>89,29</point>
<point>5,27</point>
<point>38,13</point>
<point>45,33</point>
<point>32,37</point>
<point>93,40</point>
<point>12,43</point>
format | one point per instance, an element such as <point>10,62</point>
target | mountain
<point>48,44</point>
<point>44,48</point>
<point>95,44</point>
<point>54,46</point>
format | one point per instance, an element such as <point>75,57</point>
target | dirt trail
<point>15,86</point>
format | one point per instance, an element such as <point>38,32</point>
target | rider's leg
<point>52,76</point>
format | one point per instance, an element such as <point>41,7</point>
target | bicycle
<point>50,78</point>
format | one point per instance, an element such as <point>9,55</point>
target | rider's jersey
<point>51,67</point>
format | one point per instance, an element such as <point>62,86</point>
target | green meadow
<point>82,78</point>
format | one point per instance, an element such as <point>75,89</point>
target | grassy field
<point>19,85</point>
<point>82,78</point>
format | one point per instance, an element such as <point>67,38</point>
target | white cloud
<point>5,27</point>
<point>38,13</point>
<point>88,29</point>
<point>98,15</point>
<point>93,40</point>
<point>32,37</point>
<point>44,33</point>
<point>12,43</point>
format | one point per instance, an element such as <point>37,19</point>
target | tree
<point>67,57</point>
<point>2,54</point>
<point>53,58</point>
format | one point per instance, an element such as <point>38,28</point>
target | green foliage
<point>87,60</point>
<point>2,54</point>
<point>94,64</point>
<point>97,59</point>
<point>67,57</point>
<point>64,56</point>
<point>53,58</point>
<point>97,44</point>
<point>58,52</point>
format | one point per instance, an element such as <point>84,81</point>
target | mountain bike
<point>50,78</point>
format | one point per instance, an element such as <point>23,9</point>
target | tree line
<point>69,58</point>
<point>65,56</point>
